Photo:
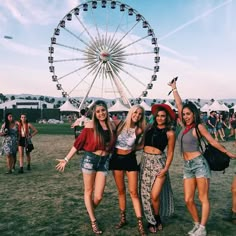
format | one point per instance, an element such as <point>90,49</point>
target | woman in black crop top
<point>196,170</point>
<point>156,192</point>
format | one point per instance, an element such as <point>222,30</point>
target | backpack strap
<point>199,137</point>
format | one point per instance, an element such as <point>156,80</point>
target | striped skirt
<point>151,165</point>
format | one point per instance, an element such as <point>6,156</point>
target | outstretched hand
<point>61,165</point>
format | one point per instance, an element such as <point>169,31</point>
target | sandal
<point>95,228</point>
<point>159,223</point>
<point>140,227</point>
<point>122,220</point>
<point>152,228</point>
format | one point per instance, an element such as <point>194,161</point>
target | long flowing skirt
<point>151,165</point>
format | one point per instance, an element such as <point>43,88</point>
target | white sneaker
<point>195,227</point>
<point>201,231</point>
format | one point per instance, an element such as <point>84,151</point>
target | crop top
<point>86,141</point>
<point>189,142</point>
<point>157,138</point>
<point>126,139</point>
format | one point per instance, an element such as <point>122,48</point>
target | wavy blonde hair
<point>128,120</point>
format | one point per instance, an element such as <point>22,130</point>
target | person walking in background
<point>219,127</point>
<point>155,187</point>
<point>9,144</point>
<point>124,162</point>
<point>232,215</point>
<point>80,123</point>
<point>25,132</point>
<point>212,123</point>
<point>97,140</point>
<point>196,169</point>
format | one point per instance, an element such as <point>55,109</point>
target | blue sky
<point>197,41</point>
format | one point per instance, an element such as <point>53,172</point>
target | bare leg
<point>203,189</point>
<point>120,184</point>
<point>133,190</point>
<point>189,191</point>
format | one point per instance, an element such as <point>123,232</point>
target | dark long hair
<point>98,130</point>
<point>7,122</point>
<point>194,110</point>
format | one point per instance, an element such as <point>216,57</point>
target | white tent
<point>118,107</point>
<point>67,106</point>
<point>225,107</point>
<point>216,106</point>
<point>169,104</point>
<point>145,106</point>
<point>204,108</point>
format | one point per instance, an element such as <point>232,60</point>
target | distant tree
<point>44,106</point>
<point>198,100</point>
<point>52,100</point>
<point>41,98</point>
<point>28,98</point>
<point>154,100</point>
<point>163,101</point>
<point>46,99</point>
<point>13,97</point>
<point>212,100</point>
<point>3,98</point>
<point>34,98</point>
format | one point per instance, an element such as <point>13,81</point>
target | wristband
<point>174,90</point>
<point>66,159</point>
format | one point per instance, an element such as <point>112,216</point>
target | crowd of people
<point>17,138</point>
<point>112,144</point>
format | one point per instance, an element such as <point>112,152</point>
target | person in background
<point>196,169</point>
<point>124,162</point>
<point>232,215</point>
<point>9,144</point>
<point>80,123</point>
<point>25,132</point>
<point>212,123</point>
<point>156,191</point>
<point>219,127</point>
<point>97,140</point>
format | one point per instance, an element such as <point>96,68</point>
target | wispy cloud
<point>197,18</point>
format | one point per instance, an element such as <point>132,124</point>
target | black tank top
<point>157,138</point>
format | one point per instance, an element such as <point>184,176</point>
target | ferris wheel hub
<point>104,56</point>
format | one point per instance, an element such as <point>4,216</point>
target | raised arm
<point>178,100</point>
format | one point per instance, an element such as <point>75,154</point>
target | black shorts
<point>124,162</point>
<point>22,142</point>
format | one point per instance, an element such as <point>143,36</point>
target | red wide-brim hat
<point>166,107</point>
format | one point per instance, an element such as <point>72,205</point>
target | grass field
<point>44,202</point>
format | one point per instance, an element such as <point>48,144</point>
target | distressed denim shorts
<point>196,168</point>
<point>91,163</point>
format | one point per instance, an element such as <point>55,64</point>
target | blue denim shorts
<point>196,168</point>
<point>91,163</point>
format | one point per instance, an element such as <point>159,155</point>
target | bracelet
<point>66,159</point>
<point>174,90</point>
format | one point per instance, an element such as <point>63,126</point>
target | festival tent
<point>118,107</point>
<point>67,106</point>
<point>216,106</point>
<point>145,106</point>
<point>204,108</point>
<point>225,107</point>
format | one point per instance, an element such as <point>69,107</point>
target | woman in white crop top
<point>124,161</point>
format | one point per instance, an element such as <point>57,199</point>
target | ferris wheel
<point>103,49</point>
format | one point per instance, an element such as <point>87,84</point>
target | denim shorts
<point>91,163</point>
<point>196,168</point>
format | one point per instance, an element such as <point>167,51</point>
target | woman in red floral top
<point>97,140</point>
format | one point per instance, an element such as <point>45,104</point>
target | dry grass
<point>44,202</point>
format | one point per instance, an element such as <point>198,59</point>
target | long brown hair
<point>98,130</point>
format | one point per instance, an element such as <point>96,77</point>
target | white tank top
<point>126,139</point>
